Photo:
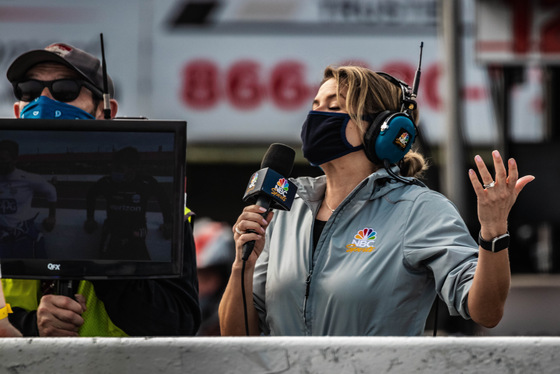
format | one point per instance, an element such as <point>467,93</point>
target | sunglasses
<point>64,90</point>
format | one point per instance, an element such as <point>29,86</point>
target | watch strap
<point>497,244</point>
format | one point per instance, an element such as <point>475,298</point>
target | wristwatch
<point>495,245</point>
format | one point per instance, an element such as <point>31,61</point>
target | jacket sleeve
<point>438,240</point>
<point>24,321</point>
<point>156,307</point>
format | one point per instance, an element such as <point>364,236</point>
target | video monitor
<point>92,199</point>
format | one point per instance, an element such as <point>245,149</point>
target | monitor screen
<point>91,199</point>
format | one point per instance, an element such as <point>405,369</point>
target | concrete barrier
<point>338,355</point>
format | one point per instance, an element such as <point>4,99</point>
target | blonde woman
<point>366,248</point>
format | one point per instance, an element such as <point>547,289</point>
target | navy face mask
<point>43,107</point>
<point>324,137</point>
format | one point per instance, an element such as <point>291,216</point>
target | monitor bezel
<point>93,269</point>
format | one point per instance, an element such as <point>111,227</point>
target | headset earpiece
<point>389,137</point>
<point>372,134</point>
<point>396,136</point>
<point>391,134</point>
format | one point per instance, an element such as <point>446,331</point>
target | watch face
<point>500,243</point>
<point>496,245</point>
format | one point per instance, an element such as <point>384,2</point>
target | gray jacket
<point>385,252</point>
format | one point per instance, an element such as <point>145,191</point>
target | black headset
<point>391,134</point>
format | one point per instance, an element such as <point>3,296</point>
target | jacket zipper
<point>307,287</point>
<point>308,279</point>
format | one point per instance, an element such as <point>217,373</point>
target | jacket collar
<point>379,183</point>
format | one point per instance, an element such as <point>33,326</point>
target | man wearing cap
<point>64,82</point>
<point>60,82</point>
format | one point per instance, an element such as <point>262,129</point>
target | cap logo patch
<point>60,49</point>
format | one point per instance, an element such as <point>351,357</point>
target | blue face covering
<point>324,137</point>
<point>45,108</point>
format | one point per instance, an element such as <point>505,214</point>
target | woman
<point>364,251</point>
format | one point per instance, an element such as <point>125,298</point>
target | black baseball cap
<point>86,65</point>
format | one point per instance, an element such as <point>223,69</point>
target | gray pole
<point>454,172</point>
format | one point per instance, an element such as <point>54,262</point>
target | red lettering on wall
<point>550,39</point>
<point>200,84</point>
<point>243,87</point>
<point>287,85</point>
<point>522,16</point>
<point>247,85</point>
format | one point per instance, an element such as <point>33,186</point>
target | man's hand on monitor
<point>60,315</point>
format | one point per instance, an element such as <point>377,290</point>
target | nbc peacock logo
<point>253,181</point>
<point>281,188</point>
<point>403,139</point>
<point>363,241</point>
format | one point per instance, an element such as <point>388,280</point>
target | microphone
<point>269,187</point>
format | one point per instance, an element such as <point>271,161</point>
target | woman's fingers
<point>485,175</point>
<point>496,194</point>
<point>499,169</point>
<point>251,226</point>
<point>250,219</point>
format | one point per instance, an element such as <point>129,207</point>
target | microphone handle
<point>262,201</point>
<point>64,287</point>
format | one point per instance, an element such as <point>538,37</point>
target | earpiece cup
<point>391,138</point>
<point>371,135</point>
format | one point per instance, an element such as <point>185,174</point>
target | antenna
<point>418,73</point>
<point>106,96</point>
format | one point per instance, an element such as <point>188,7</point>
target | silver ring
<point>489,185</point>
<point>239,232</point>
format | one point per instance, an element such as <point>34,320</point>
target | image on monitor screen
<point>93,199</point>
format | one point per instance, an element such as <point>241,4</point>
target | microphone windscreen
<point>279,158</point>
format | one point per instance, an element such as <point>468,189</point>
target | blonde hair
<point>368,93</point>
